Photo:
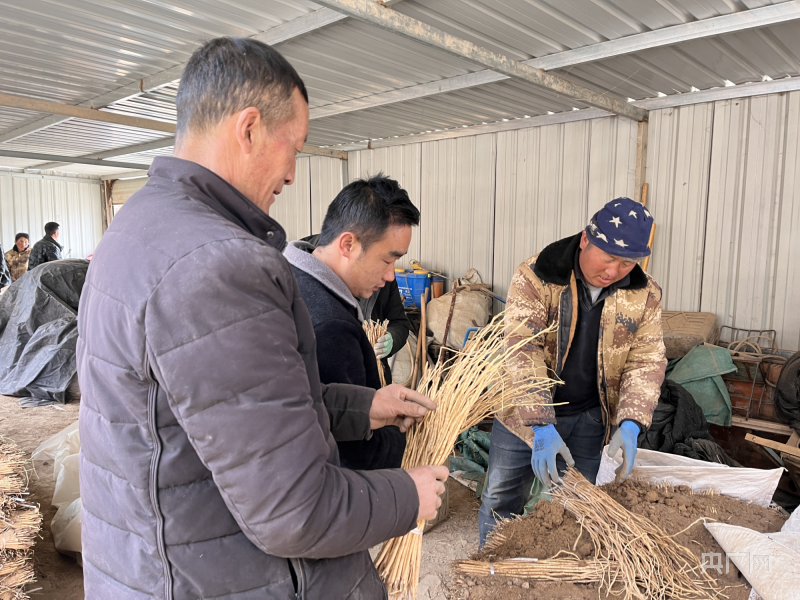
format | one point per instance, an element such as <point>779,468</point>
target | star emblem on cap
<point>620,243</point>
<point>616,221</point>
<point>633,214</point>
<point>617,204</point>
<point>603,237</point>
<point>647,213</point>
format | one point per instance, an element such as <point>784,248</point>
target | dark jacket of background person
<point>384,304</point>
<point>207,450</point>
<point>45,250</point>
<point>5,276</point>
<point>344,353</point>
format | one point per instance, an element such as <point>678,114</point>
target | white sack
<point>748,485</point>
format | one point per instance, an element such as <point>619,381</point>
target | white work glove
<point>383,346</point>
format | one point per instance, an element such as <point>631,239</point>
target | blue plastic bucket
<point>412,287</point>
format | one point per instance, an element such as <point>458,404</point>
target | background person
<point>46,249</point>
<point>18,256</point>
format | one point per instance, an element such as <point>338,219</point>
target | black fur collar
<point>556,261</point>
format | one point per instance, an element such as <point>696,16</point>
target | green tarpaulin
<point>700,372</point>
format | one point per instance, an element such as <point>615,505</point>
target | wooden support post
<point>640,187</point>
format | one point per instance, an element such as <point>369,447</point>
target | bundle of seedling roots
<point>20,522</point>
<point>633,558</point>
<point>375,330</point>
<point>469,387</point>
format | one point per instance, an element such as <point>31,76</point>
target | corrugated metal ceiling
<point>70,51</point>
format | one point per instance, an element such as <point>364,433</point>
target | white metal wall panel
<point>785,316</point>
<point>612,170</point>
<point>551,179</point>
<point>292,207</point>
<point>457,203</point>
<point>327,180</point>
<point>746,260</point>
<point>27,203</point>
<point>542,190</point>
<point>402,163</point>
<point>678,156</point>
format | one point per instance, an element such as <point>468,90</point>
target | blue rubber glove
<point>546,444</point>
<point>625,437</point>
<point>383,346</point>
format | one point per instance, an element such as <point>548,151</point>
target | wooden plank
<point>774,445</point>
<point>761,425</point>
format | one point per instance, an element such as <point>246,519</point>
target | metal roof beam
<point>715,26</point>
<point>778,86</point>
<point>91,114</point>
<point>133,149</point>
<point>282,33</point>
<point>391,20</point>
<point>79,112</point>
<point>70,160</point>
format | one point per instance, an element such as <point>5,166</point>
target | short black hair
<point>227,75</point>
<point>22,235</point>
<point>51,227</point>
<point>367,208</point>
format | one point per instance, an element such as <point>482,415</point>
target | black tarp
<point>787,393</point>
<point>680,427</point>
<point>39,332</point>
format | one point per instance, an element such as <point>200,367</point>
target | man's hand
<point>396,405</point>
<point>625,437</point>
<point>430,486</point>
<point>383,346</point>
<point>546,444</point>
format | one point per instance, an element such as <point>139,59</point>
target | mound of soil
<point>550,529</point>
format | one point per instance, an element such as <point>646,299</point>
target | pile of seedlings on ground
<point>629,540</point>
<point>19,523</point>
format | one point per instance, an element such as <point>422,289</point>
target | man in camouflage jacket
<point>603,341</point>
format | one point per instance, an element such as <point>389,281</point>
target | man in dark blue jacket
<point>46,249</point>
<point>366,229</point>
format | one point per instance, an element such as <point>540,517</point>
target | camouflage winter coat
<point>631,358</point>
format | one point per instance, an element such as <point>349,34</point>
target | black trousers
<point>384,450</point>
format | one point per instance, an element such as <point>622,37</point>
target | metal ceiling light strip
<point>391,20</point>
<point>715,26</point>
<point>69,160</point>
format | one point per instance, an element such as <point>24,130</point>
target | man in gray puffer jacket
<point>209,466</point>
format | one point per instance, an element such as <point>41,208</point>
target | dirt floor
<point>550,529</point>
<point>58,577</point>
<point>450,540</point>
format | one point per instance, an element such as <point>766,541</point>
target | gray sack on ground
<point>38,332</point>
